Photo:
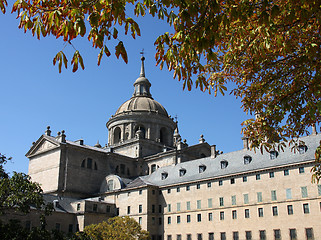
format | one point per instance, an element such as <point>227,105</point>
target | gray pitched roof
<point>235,164</point>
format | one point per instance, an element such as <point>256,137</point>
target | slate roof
<point>235,164</point>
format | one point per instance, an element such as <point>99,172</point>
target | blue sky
<point>34,95</point>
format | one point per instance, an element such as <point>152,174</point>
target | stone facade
<point>176,191</point>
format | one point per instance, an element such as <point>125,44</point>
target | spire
<point>142,84</point>
<point>142,69</point>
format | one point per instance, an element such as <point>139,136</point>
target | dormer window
<point>224,164</point>
<point>164,175</point>
<point>247,159</point>
<point>182,172</point>
<point>273,155</point>
<point>201,168</point>
<point>302,149</point>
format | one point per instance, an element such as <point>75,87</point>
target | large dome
<point>141,104</point>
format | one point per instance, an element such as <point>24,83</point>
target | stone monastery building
<point>176,191</point>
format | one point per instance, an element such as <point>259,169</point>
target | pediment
<point>41,146</point>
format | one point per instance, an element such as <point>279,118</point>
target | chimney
<point>246,143</point>
<point>213,151</point>
<point>314,130</point>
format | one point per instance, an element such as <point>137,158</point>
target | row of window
<point>260,213</point>
<point>247,160</point>
<point>259,198</point>
<point>248,235</point>
<point>286,172</point>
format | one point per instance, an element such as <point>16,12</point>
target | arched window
<point>302,149</point>
<point>89,163</point>
<point>117,135</point>
<point>182,172</point>
<point>110,185</point>
<point>247,159</point>
<point>162,135</point>
<point>83,163</point>
<point>201,168</point>
<point>273,155</point>
<point>153,168</point>
<point>164,175</point>
<point>224,164</point>
<point>142,129</point>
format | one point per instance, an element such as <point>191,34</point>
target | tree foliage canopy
<point>17,192</point>
<point>117,228</point>
<point>269,50</point>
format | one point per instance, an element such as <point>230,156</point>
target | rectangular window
<point>153,208</point>
<point>199,236</point>
<point>288,192</point>
<point>210,217</point>
<point>309,234</point>
<point>286,172</point>
<point>188,188</point>
<point>188,205</point>
<point>258,176</point>
<point>70,228</point>
<point>290,209</point>
<point>198,186</point>
<point>199,217</point>
<point>293,234</point>
<point>301,169</point>
<point>223,236</point>
<point>234,214</point>
<point>232,180</point>
<point>178,218</point>
<point>189,237</point>
<point>188,219</point>
<point>220,182</point>
<point>247,213</point>
<point>140,220</point>
<point>78,206</point>
<point>304,192</point>
<point>210,236</point>
<point>259,197</point>
<point>140,208</point>
<point>95,207</point>
<point>221,215</point>
<point>271,174</point>
<point>58,226</point>
<point>235,235</point>
<point>160,208</point>
<point>277,234</point>
<point>273,195</point>
<point>169,220</point>
<point>140,192</point>
<point>107,209</point>
<point>306,209</point>
<point>179,237</point>
<point>169,237</point>
<point>319,189</point>
<point>221,201</point>
<point>262,235</point>
<point>246,198</point>
<point>160,221</point>
<point>198,203</point>
<point>178,189</point>
<point>275,211</point>
<point>169,207</point>
<point>178,207</point>
<point>260,212</point>
<point>128,209</point>
<point>209,184</point>
<point>209,203</point>
<point>245,179</point>
<point>153,221</point>
<point>248,235</point>
<point>169,190</point>
<point>233,200</point>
